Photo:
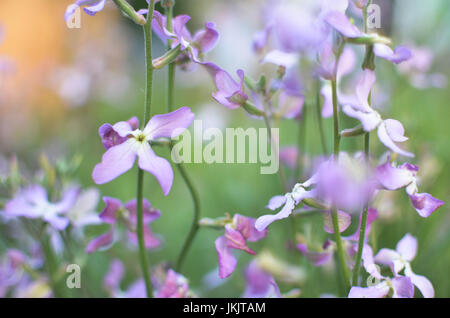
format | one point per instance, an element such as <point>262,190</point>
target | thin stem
<point>320,120</point>
<point>334,215</point>
<point>301,144</point>
<point>50,265</point>
<point>362,229</point>
<point>140,235</point>
<point>171,66</point>
<point>140,178</point>
<point>197,213</point>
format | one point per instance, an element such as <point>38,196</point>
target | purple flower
<point>404,176</point>
<point>289,156</point>
<point>114,212</point>
<point>389,131</point>
<point>327,62</point>
<point>124,143</point>
<point>91,7</point>
<point>237,233</point>
<point>112,279</point>
<point>229,92</point>
<point>32,202</point>
<point>196,45</point>
<point>400,259</point>
<point>260,284</point>
<point>174,285</point>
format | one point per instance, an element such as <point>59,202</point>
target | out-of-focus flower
<point>289,156</point>
<point>418,67</point>
<point>389,131</point>
<point>229,92</point>
<point>240,230</point>
<point>173,285</point>
<point>319,257</point>
<point>135,143</point>
<point>91,7</point>
<point>327,62</point>
<point>259,283</point>
<point>400,259</point>
<point>112,279</point>
<point>404,176</point>
<point>115,212</point>
<point>83,212</point>
<point>342,24</point>
<point>32,202</point>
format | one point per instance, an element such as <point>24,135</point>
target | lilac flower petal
<point>68,199</point>
<point>403,287</point>
<point>407,247</point>
<point>421,282</point>
<point>260,39</point>
<point>363,90</point>
<point>342,24</point>
<point>58,222</point>
<point>370,120</point>
<point>109,136</point>
<point>103,240</point>
<point>327,107</point>
<point>112,279</point>
<point>169,125</point>
<point>246,226</point>
<point>386,139</point>
<point>369,263</point>
<point>264,221</point>
<point>425,204</point>
<point>151,241</point>
<point>115,161</point>
<point>179,28</point>
<point>26,202</point>
<point>378,291</point>
<point>207,38</point>
<point>316,258</point>
<point>392,178</point>
<point>236,240</point>
<point>396,130</point>
<point>281,58</point>
<point>391,258</point>
<point>260,284</point>
<point>344,220</point>
<point>149,214</point>
<point>396,56</point>
<point>290,106</point>
<point>136,290</point>
<point>70,11</point>
<point>108,215</point>
<point>347,62</point>
<point>157,166</point>
<point>276,202</point>
<point>123,128</point>
<point>288,156</point>
<point>159,26</point>
<point>227,262</point>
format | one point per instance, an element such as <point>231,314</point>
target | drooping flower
<point>195,46</point>
<point>404,176</point>
<point>91,7</point>
<point>115,212</point>
<point>390,131</point>
<point>124,143</point>
<point>240,230</point>
<point>400,259</point>
<point>259,283</point>
<point>32,202</point>
<point>342,24</point>
<point>229,92</point>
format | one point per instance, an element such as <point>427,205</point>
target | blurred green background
<point>38,115</point>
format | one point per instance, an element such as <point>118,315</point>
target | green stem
<point>334,215</point>
<point>140,179</point>
<point>195,221</point>
<point>129,11</point>
<point>50,265</point>
<point>301,144</point>
<point>171,66</point>
<point>320,120</point>
<point>362,229</point>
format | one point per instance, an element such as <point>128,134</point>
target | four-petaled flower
<point>124,142</point>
